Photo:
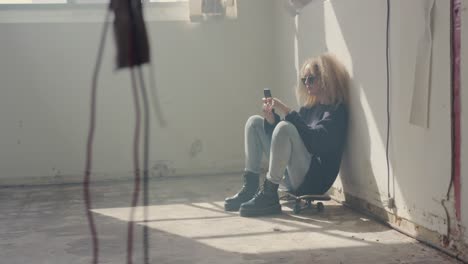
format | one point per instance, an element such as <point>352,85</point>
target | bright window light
<point>166,1</point>
<point>91,1</point>
<point>19,2</point>
<point>58,11</point>
<point>25,2</point>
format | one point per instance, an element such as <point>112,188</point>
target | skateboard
<point>309,201</point>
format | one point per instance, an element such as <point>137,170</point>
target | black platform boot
<point>248,190</point>
<point>265,201</point>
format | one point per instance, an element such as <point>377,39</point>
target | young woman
<point>305,149</point>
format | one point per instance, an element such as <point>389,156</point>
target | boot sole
<point>231,207</point>
<point>275,209</point>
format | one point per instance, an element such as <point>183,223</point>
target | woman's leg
<point>256,144</point>
<point>288,152</point>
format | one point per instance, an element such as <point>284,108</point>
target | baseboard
<point>405,226</point>
<point>99,178</point>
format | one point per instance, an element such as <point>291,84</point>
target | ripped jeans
<point>288,157</point>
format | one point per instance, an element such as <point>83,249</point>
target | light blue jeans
<point>288,157</point>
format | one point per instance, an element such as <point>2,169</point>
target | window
<point>59,11</point>
<point>19,2</point>
<point>32,2</point>
<point>167,1</point>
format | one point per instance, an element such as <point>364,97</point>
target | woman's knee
<point>254,121</point>
<point>284,128</point>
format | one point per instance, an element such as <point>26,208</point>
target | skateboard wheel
<point>320,207</point>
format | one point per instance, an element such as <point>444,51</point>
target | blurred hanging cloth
<point>130,33</point>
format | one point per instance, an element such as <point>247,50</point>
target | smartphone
<point>267,94</point>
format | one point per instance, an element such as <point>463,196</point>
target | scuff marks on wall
<point>56,172</point>
<point>196,148</point>
<point>162,168</point>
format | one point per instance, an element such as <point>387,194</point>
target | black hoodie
<point>323,130</point>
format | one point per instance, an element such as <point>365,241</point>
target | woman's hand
<point>273,103</point>
<point>268,110</point>
<point>280,106</point>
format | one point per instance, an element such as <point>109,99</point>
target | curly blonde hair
<point>333,79</point>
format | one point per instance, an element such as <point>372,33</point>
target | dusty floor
<point>188,225</point>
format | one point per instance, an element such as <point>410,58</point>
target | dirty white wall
<point>420,157</point>
<point>210,78</point>
<point>464,114</point>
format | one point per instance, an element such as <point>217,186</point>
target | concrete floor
<point>47,224</point>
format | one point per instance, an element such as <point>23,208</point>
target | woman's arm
<point>327,135</point>
<point>270,118</point>
<point>270,127</point>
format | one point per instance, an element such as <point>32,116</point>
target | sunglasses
<point>309,80</point>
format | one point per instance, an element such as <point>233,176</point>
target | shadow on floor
<point>187,224</point>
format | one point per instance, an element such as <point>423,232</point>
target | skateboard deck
<point>308,198</point>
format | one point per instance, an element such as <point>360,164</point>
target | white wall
<point>420,157</point>
<point>210,79</point>
<point>296,38</point>
<point>464,114</point>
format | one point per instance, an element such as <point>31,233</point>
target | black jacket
<point>323,130</point>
